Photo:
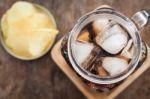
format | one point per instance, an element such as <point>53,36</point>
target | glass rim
<point>112,79</point>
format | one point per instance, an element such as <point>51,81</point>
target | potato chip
<point>27,31</point>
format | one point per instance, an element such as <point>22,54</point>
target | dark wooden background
<point>41,78</point>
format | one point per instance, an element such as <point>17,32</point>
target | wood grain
<point>60,61</point>
<point>41,78</point>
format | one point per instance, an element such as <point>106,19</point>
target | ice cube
<point>84,36</point>
<point>99,24</point>
<point>114,65</point>
<point>83,51</point>
<point>128,50</point>
<point>113,39</point>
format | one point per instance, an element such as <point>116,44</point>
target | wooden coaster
<point>60,61</point>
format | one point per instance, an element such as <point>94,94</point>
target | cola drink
<point>102,50</point>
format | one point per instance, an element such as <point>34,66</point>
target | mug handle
<point>141,18</point>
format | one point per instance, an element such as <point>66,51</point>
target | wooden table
<point>41,78</point>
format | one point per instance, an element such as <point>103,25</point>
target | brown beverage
<point>103,48</point>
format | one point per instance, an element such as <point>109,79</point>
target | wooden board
<point>61,63</point>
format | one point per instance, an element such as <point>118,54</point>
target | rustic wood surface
<point>62,64</point>
<point>41,78</point>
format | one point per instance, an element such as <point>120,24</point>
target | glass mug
<point>132,27</point>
